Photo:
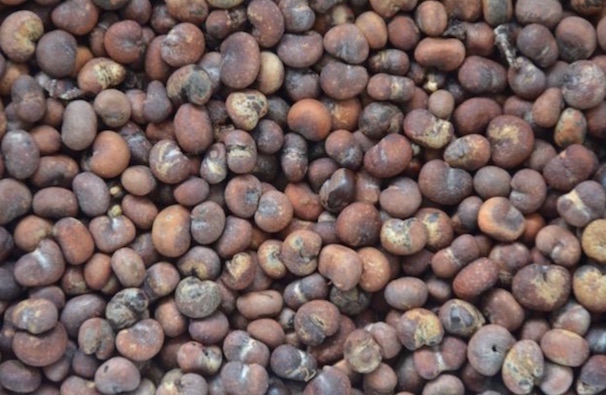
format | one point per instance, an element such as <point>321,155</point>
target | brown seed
<point>194,357</point>
<point>170,231</point>
<point>584,85</point>
<point>197,299</point>
<point>184,44</point>
<point>469,152</point>
<point>110,156</point>
<point>288,49</point>
<point>239,272</point>
<point>576,38</point>
<point>481,75</point>
<point>347,42</point>
<point>300,252</point>
<point>361,351</point>
<point>189,83</point>
<point>274,211</point>
<point>445,54</point>
<point>79,125</point>
<point>310,118</point>
<point>475,278</point>
<point>564,347</point>
<point>443,184</point>
<point>315,321</point>
<point>523,367</point>
<point>406,293</point>
<point>389,157</point>
<point>559,244</point>
<point>292,363</point>
<point>427,130</point>
<point>570,167</point>
<point>18,377</point>
<point>527,11</point>
<point>241,151</point>
<point>35,315</point>
<point>141,341</point>
<point>256,382</point>
<point>20,31</point>
<point>100,73</point>
<point>403,237</point>
<point>376,270</point>
<point>588,285</point>
<point>556,378</point>
<point>358,225</point>
<point>500,219</point>
<point>43,266</point>
<point>592,240</point>
<point>40,350</point>
<point>547,108</point>
<point>15,197</point>
<point>236,237</point>
<point>541,287</point>
<point>117,375</point>
<point>419,327</point>
<point>591,379</point>
<point>511,140</point>
<point>342,81</point>
<point>460,318</point>
<point>341,265</point>
<point>501,308</point>
<point>21,154</point>
<point>240,60</point>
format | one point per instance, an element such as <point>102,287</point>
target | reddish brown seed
<point>141,341</point>
<point>359,225</point>
<point>341,265</point>
<point>40,350</point>
<point>376,270</point>
<point>445,54</point>
<point>501,308</point>
<point>170,231</point>
<point>500,219</point>
<point>564,347</point>
<point>475,278</point>
<point>310,118</point>
<point>184,44</point>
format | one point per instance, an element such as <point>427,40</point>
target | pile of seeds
<point>302,197</point>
